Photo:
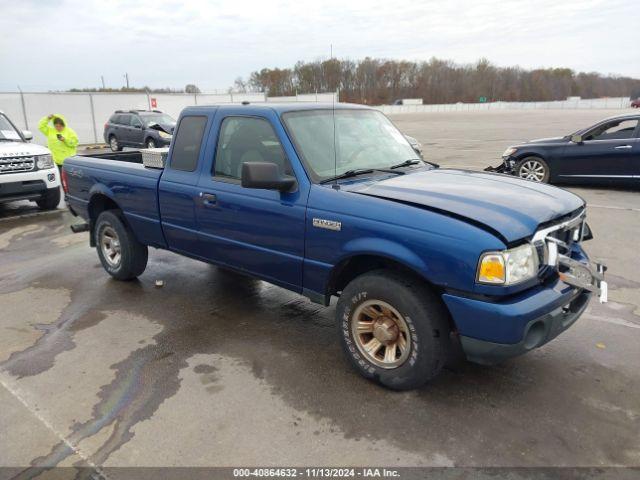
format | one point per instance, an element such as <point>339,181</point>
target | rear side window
<point>122,119</point>
<point>186,146</point>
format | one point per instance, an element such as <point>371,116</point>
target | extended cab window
<point>186,147</point>
<point>247,139</point>
<point>615,130</point>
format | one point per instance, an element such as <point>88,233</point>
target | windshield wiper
<point>406,163</point>
<point>359,171</point>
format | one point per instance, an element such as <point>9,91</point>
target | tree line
<point>190,88</point>
<point>381,81</point>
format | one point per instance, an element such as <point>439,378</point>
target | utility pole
<point>126,76</point>
<point>102,78</point>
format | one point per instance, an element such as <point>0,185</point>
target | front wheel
<point>121,255</point>
<point>49,200</point>
<point>151,143</point>
<point>534,169</point>
<point>393,329</point>
<point>114,145</point>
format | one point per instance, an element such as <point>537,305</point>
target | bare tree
<point>378,81</point>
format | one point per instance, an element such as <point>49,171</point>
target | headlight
<point>509,151</point>
<point>509,266</point>
<point>44,161</point>
<point>164,134</point>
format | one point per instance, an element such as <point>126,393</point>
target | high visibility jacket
<point>60,150</point>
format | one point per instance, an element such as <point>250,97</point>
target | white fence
<point>574,104</point>
<point>87,112</point>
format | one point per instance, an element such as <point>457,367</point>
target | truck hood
<point>21,149</point>
<point>509,207</point>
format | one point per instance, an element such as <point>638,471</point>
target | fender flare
<point>385,249</point>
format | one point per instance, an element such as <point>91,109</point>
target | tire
<point>150,143</point>
<point>121,255</point>
<point>114,144</point>
<point>395,298</point>
<point>534,169</point>
<point>49,200</point>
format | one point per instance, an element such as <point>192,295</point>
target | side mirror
<point>27,135</point>
<point>577,139</point>
<point>266,175</point>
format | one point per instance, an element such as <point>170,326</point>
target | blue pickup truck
<point>332,201</point>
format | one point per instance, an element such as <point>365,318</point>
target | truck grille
<point>562,237</point>
<point>16,164</point>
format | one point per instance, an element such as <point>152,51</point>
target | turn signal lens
<point>492,269</point>
<point>508,267</point>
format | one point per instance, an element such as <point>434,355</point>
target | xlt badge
<point>328,224</point>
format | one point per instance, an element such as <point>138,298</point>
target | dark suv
<point>138,128</point>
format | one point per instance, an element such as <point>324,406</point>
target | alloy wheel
<point>110,246</point>
<point>381,334</point>
<point>532,170</point>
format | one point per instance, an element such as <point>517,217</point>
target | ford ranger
<point>332,201</point>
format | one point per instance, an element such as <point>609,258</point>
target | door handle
<point>623,147</point>
<point>208,199</point>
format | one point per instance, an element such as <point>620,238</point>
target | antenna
<point>336,186</point>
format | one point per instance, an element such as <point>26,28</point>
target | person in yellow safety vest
<point>61,140</point>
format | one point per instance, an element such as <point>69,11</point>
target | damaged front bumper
<point>584,275</point>
<point>507,166</point>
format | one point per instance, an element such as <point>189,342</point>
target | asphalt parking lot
<point>216,369</point>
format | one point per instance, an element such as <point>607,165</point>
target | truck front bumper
<point>491,331</point>
<point>536,332</point>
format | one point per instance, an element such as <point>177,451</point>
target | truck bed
<point>130,156</point>
<point>121,177</point>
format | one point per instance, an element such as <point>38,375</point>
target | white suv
<point>27,171</point>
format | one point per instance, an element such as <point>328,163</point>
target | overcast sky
<point>59,44</point>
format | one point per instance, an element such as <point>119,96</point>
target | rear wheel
<point>534,169</point>
<point>394,329</point>
<point>114,145</point>
<point>49,200</point>
<point>121,255</point>
<point>151,143</point>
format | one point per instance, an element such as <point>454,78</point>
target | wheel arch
<point>100,201</point>
<point>358,264</point>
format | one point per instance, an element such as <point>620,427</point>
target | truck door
<point>607,152</point>
<point>178,193</point>
<point>254,230</point>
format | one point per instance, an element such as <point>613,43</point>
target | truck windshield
<point>364,139</point>
<point>7,132</point>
